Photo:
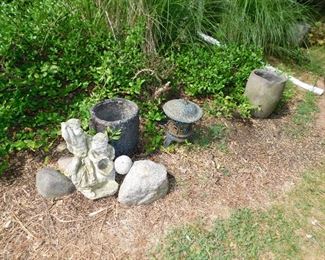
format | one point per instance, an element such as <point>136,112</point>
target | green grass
<point>314,64</point>
<point>288,94</point>
<point>269,24</point>
<point>317,61</point>
<point>292,229</point>
<point>166,21</point>
<point>306,110</point>
<point>304,116</point>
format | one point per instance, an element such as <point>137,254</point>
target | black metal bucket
<point>118,114</point>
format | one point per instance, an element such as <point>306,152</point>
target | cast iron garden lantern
<point>182,114</point>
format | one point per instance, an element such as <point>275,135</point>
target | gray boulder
<point>146,182</point>
<point>52,184</point>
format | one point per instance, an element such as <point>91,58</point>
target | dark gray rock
<point>146,182</point>
<point>118,114</point>
<point>52,184</point>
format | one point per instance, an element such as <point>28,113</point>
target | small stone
<point>123,164</point>
<point>315,222</point>
<point>61,147</point>
<point>146,182</point>
<point>7,224</point>
<point>52,184</point>
<point>68,165</point>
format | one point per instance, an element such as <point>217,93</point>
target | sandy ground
<point>261,162</point>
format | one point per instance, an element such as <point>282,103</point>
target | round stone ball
<point>123,164</point>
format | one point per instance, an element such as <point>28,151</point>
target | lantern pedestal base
<point>169,139</point>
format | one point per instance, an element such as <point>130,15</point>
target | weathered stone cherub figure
<point>91,169</point>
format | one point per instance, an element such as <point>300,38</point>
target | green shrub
<point>219,73</point>
<point>116,76</point>
<point>317,34</point>
<point>57,59</point>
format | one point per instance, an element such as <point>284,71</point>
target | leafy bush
<point>219,73</point>
<point>56,61</point>
<point>46,52</point>
<point>59,58</point>
<point>116,76</point>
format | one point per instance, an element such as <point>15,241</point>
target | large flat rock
<point>146,182</point>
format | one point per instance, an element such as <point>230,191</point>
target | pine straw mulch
<point>261,162</point>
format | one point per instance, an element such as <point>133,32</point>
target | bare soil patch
<point>261,162</point>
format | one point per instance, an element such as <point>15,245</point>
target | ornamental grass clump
<point>166,21</point>
<point>268,24</point>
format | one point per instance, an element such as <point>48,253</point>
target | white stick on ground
<point>297,82</point>
<point>314,89</point>
<point>209,39</point>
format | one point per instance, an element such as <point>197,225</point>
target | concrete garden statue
<point>91,169</point>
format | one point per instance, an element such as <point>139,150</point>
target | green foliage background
<point>59,58</point>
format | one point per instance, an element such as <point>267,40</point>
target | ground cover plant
<point>58,59</point>
<point>53,55</point>
<point>218,73</point>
